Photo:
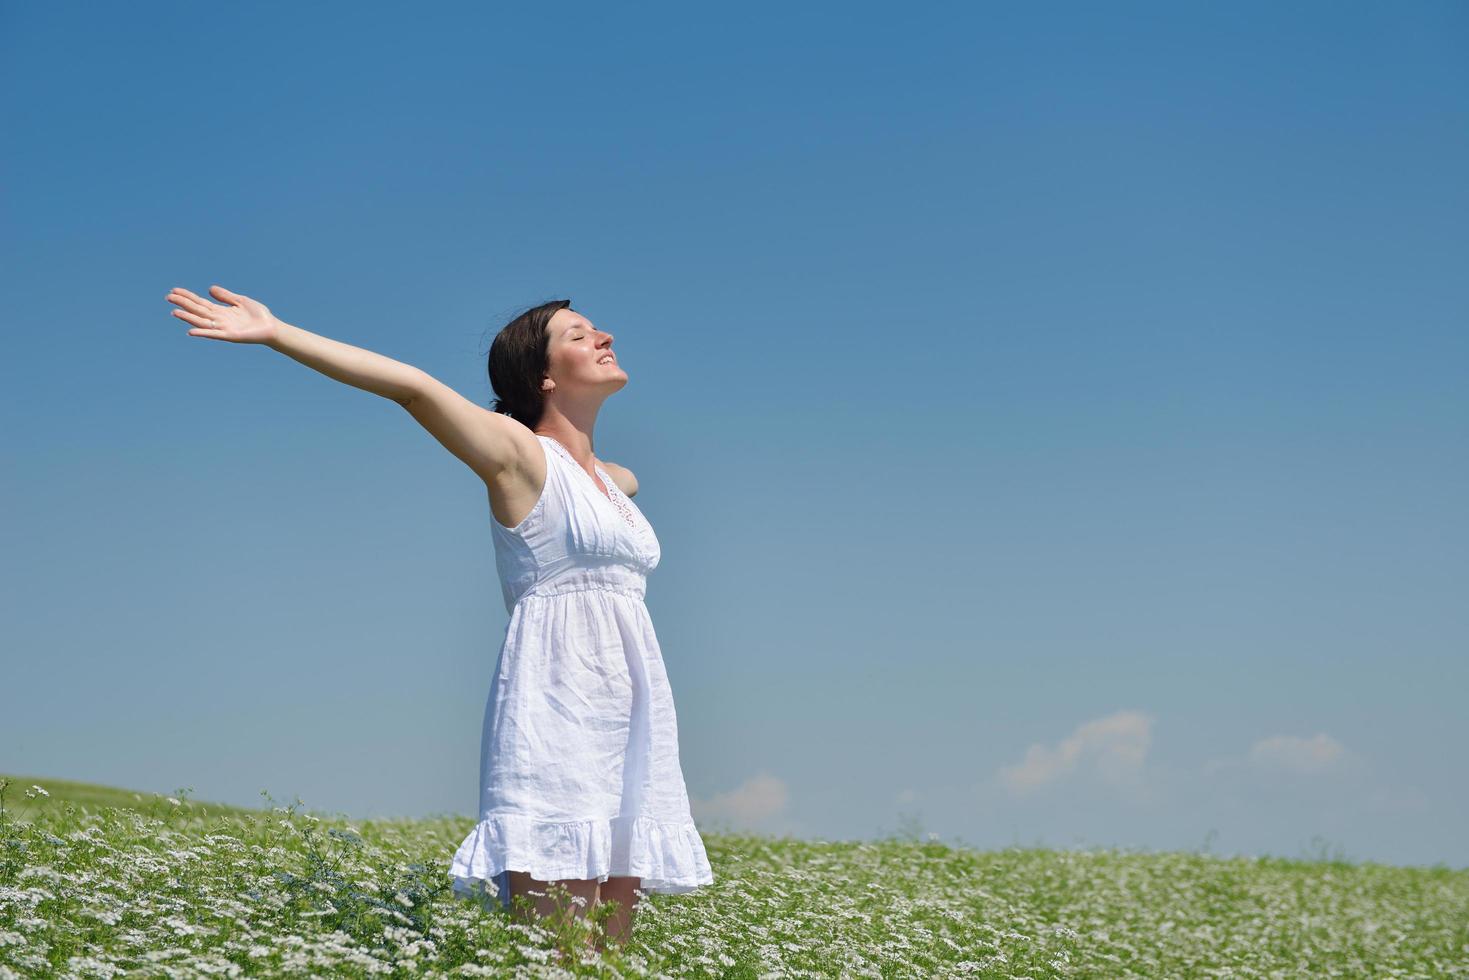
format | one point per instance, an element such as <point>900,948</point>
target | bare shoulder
<point>514,489</point>
<point>495,446</point>
<point>528,456</point>
<point>623,477</point>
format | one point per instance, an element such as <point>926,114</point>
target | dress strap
<point>614,495</point>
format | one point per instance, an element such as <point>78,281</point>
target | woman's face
<point>581,355</point>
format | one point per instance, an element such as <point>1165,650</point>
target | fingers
<point>179,293</point>
<point>192,309</point>
<point>193,305</point>
<point>235,298</point>
<point>194,318</point>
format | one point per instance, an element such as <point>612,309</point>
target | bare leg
<point>619,924</point>
<point>547,903</point>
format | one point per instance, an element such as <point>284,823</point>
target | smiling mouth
<point>608,360</point>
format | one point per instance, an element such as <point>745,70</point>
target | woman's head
<point>551,352</point>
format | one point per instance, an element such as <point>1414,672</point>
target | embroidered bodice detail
<point>614,493</point>
<point>579,768</point>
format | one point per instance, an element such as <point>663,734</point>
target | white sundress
<point>579,768</point>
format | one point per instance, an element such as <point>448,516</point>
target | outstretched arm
<point>242,320</point>
<point>350,365</point>
<point>485,441</point>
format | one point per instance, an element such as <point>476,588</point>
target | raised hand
<point>241,320</point>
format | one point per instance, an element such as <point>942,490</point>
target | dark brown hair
<point>518,362</point>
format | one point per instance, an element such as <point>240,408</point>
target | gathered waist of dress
<point>616,578</point>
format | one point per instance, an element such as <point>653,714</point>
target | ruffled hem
<point>668,857</point>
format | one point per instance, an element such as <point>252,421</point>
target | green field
<point>98,882</point>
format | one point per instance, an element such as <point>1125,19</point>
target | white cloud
<point>1318,753</point>
<point>1282,759</point>
<point>756,799</point>
<point>1112,748</point>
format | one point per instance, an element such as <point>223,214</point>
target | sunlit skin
<point>619,890</point>
<point>236,318</point>
<point>576,385</point>
<point>501,451</point>
<point>575,388</point>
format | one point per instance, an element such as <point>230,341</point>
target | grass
<point>96,882</point>
<point>90,797</point>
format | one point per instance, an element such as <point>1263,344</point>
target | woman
<point>581,785</point>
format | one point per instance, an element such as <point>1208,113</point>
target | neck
<point>573,433</point>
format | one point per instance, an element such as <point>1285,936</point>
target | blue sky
<point>1053,417</point>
